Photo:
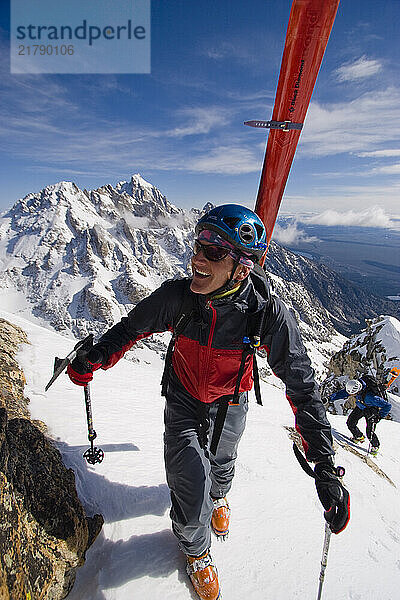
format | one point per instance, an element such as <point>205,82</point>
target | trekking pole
<point>324,559</point>
<point>328,531</point>
<point>93,455</point>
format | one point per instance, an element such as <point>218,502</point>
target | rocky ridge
<point>44,531</point>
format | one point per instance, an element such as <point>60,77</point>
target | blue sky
<point>215,63</point>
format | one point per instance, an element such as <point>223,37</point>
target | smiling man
<point>218,318</point>
<point>213,264</point>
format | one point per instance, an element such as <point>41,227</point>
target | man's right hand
<point>333,496</point>
<point>80,370</point>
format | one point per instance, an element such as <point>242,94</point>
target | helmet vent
<point>247,233</point>
<point>231,221</point>
<point>260,230</point>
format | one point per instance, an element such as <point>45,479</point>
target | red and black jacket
<point>208,351</point>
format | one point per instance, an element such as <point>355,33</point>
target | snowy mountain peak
<point>146,200</point>
<point>51,195</point>
<point>136,181</point>
<point>208,206</point>
<point>81,258</point>
<point>378,345</point>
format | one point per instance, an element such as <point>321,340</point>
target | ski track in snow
<point>277,528</point>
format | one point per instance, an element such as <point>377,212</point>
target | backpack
<point>251,341</point>
<point>373,387</point>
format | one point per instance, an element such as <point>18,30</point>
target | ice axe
<point>60,364</point>
<point>93,455</point>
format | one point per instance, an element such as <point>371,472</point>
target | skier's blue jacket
<point>369,400</point>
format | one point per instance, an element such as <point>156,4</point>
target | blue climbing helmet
<point>238,225</point>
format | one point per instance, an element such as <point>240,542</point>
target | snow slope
<point>275,544</point>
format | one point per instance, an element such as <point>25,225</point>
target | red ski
<point>310,24</point>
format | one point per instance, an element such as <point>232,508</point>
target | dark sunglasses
<point>211,252</point>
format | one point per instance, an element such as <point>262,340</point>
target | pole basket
<point>93,455</point>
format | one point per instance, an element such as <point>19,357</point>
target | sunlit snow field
<point>277,527</point>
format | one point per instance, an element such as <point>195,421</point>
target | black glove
<point>80,370</point>
<point>333,495</point>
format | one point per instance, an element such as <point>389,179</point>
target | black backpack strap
<point>203,423</point>
<point>251,343</point>
<point>185,315</point>
<point>255,340</point>
<point>256,378</point>
<point>223,404</point>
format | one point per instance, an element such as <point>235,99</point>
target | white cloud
<point>291,235</point>
<point>361,68</point>
<point>251,96</point>
<point>388,169</point>
<point>199,120</point>
<point>226,160</point>
<point>380,153</point>
<point>342,197</point>
<point>239,49</point>
<point>136,222</point>
<point>355,126</point>
<point>373,216</point>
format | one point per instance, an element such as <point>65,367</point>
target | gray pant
<point>193,474</point>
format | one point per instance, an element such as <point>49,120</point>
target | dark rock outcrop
<point>44,532</point>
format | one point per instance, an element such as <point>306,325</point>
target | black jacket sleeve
<point>153,314</point>
<point>288,359</point>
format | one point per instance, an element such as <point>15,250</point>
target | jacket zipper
<point>208,354</point>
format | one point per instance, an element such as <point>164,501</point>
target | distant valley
<point>367,256</point>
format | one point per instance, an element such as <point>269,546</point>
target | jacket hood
<point>255,294</point>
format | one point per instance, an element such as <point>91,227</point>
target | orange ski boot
<point>204,576</point>
<point>220,518</point>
